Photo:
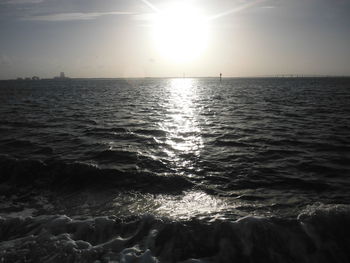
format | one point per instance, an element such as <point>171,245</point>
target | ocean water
<point>175,170</point>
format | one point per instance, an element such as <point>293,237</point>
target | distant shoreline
<point>126,78</point>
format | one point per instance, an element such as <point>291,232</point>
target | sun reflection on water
<point>182,145</point>
<point>184,139</point>
<point>192,204</point>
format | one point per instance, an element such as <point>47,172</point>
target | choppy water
<point>194,155</point>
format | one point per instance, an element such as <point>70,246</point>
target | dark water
<point>146,170</point>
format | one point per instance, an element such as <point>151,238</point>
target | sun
<point>180,32</point>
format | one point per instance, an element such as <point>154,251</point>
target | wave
<point>17,143</point>
<point>269,181</point>
<point>23,124</point>
<point>117,156</point>
<point>319,234</point>
<point>105,130</point>
<point>152,132</point>
<point>57,175</point>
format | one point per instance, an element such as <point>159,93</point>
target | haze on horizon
<point>115,38</point>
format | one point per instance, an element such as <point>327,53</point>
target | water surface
<point>180,149</point>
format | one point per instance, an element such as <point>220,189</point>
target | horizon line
<point>186,77</point>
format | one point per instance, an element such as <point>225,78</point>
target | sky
<point>127,38</point>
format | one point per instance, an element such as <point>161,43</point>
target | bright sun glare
<point>180,32</point>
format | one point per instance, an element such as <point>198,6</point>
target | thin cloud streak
<point>20,2</point>
<point>72,16</point>
<point>220,15</point>
<point>235,10</point>
<point>152,6</point>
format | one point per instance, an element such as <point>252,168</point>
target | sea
<point>175,170</point>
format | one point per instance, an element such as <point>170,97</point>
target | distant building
<point>61,76</point>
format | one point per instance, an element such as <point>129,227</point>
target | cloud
<point>73,16</point>
<point>268,7</point>
<point>21,1</point>
<point>62,10</point>
<point>144,17</point>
